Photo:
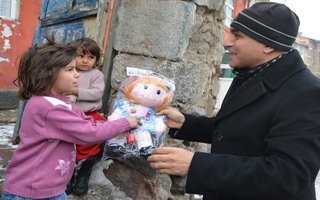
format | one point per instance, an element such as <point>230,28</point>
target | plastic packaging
<point>141,96</point>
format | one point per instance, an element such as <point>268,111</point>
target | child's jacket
<point>43,163</point>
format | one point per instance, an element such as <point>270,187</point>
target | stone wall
<point>179,39</point>
<point>183,41</point>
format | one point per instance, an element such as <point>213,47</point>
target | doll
<point>142,97</point>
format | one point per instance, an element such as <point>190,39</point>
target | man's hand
<point>175,119</point>
<point>171,160</point>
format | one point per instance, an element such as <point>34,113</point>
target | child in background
<point>43,163</point>
<point>89,99</point>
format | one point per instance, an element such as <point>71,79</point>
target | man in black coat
<point>266,137</point>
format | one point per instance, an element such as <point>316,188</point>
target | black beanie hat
<point>271,23</point>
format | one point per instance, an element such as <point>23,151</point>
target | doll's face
<point>149,94</point>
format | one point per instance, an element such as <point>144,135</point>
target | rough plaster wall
<point>15,38</point>
<point>5,35</point>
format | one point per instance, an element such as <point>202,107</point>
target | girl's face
<point>67,80</point>
<point>85,62</point>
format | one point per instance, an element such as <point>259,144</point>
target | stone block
<point>210,4</point>
<point>155,28</point>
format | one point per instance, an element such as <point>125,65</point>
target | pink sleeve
<point>74,127</point>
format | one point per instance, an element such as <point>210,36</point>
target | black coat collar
<point>283,69</point>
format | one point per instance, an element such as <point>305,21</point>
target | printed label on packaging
<point>131,71</point>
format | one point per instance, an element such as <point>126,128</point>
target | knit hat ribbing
<point>271,23</point>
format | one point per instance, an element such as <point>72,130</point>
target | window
<point>8,9</point>
<point>228,9</point>
<point>225,70</point>
<point>225,79</point>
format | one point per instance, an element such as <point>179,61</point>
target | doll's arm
<point>160,126</point>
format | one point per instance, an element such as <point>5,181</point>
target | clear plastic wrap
<point>141,96</point>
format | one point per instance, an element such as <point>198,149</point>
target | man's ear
<point>268,49</point>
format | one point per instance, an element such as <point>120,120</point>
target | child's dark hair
<point>39,67</point>
<point>88,45</point>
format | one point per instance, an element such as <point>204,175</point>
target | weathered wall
<point>15,38</point>
<point>183,41</point>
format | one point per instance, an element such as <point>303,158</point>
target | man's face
<point>245,52</point>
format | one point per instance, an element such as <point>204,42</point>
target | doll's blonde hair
<point>154,80</point>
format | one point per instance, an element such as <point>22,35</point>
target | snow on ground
<point>6,132</point>
<point>318,186</point>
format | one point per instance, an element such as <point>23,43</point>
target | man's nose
<point>228,40</point>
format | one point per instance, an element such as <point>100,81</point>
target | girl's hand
<point>133,121</point>
<point>175,119</point>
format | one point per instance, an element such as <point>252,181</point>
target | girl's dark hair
<point>39,67</point>
<point>88,45</point>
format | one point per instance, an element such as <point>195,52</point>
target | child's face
<point>67,80</point>
<point>85,62</point>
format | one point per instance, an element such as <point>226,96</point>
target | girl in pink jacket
<point>43,163</point>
